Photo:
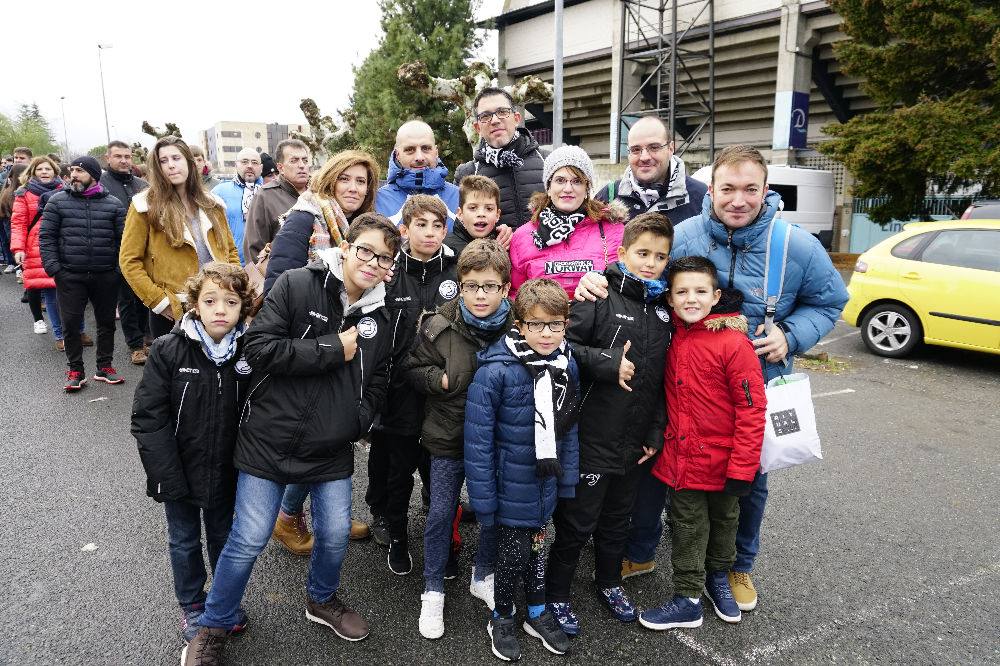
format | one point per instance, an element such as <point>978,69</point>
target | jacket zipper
<point>732,263</point>
<point>746,392</point>
<point>180,408</point>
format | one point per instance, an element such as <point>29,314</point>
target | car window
<point>905,249</point>
<point>990,211</point>
<point>968,248</point>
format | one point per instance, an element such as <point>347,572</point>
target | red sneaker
<point>74,380</point>
<point>108,375</point>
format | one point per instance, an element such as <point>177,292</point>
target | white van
<point>807,197</point>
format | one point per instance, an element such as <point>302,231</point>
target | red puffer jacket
<point>715,406</point>
<point>24,240</point>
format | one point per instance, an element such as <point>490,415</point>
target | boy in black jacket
<point>320,348</point>
<point>620,344</point>
<point>184,420</point>
<point>424,279</point>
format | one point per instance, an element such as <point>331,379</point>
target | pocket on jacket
<point>713,460</point>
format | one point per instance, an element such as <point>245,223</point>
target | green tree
<point>30,129</point>
<point>98,151</point>
<point>441,33</point>
<point>931,68</point>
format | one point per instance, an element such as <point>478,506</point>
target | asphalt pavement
<point>884,552</point>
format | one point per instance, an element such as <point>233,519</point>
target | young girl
<point>185,419</point>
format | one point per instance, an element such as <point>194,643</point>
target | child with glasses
<point>522,453</point>
<point>441,367</point>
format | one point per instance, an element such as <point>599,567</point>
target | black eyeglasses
<point>555,326</point>
<point>489,288</point>
<point>502,113</point>
<point>366,254</point>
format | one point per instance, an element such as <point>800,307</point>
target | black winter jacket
<point>459,238</point>
<point>446,345</point>
<point>123,186</point>
<point>307,405</point>
<point>696,190</point>
<point>516,186</point>
<point>615,424</point>
<point>184,419</point>
<point>417,289</point>
<point>81,234</point>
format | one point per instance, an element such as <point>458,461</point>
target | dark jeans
<point>404,457</point>
<point>703,525</point>
<point>751,517</point>
<point>74,290</point>
<point>159,325</point>
<point>133,315</point>
<point>601,509</point>
<point>647,522</point>
<point>6,256</point>
<point>520,554</point>
<point>184,535</point>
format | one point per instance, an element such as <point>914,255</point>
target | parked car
<point>986,209</point>
<point>934,282</point>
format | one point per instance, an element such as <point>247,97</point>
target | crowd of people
<point>576,358</point>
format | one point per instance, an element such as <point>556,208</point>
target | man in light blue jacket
<point>239,192</point>
<point>732,231</point>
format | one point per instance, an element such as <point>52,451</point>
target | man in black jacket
<point>121,184</point>
<point>507,154</point>
<point>79,241</point>
<point>655,180</point>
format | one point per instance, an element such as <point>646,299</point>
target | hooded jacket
<point>813,294</point>
<point>231,193</point>
<point>271,202</point>
<point>446,345</point>
<point>615,424</point>
<point>592,246</point>
<point>402,183</point>
<point>715,405</point>
<point>307,405</point>
<point>459,238</point>
<point>417,289</point>
<point>81,234</point>
<point>184,419</point>
<point>516,185</point>
<point>500,463</point>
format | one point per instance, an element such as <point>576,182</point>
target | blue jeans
<point>184,539</point>
<point>294,498</point>
<point>751,516</point>
<point>257,504</point>
<point>447,476</point>
<point>647,522</point>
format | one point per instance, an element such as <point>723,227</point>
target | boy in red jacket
<point>711,448</point>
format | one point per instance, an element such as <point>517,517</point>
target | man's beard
<point>78,187</point>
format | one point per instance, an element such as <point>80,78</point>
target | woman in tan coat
<point>172,230</point>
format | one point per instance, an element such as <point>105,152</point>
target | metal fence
<point>941,205</point>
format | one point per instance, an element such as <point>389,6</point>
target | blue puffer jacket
<point>231,192</point>
<point>401,183</point>
<point>500,445</point>
<point>813,294</point>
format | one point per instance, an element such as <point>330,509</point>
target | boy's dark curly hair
<point>228,276</point>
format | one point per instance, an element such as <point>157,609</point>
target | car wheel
<point>891,330</point>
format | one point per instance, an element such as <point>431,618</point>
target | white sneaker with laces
<point>483,589</point>
<point>432,615</point>
<point>40,327</point>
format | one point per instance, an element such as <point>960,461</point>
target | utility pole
<point>104,98</point>
<point>62,104</point>
<point>557,79</point>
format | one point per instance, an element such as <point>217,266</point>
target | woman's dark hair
<point>9,187</point>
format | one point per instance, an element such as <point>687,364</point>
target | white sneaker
<point>432,615</point>
<point>40,327</point>
<point>483,589</point>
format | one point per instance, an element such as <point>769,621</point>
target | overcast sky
<point>190,62</point>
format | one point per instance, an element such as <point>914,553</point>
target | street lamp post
<point>62,104</point>
<point>104,98</point>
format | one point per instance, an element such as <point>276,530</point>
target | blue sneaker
<point>619,604</point>
<point>678,613</point>
<point>568,620</point>
<point>718,591</point>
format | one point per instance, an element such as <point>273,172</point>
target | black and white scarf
<point>554,227</point>
<point>249,192</point>
<point>555,400</point>
<point>670,194</point>
<point>501,158</point>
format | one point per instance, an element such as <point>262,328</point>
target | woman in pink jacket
<point>570,233</point>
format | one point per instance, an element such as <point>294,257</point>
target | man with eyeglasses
<point>508,155</point>
<point>239,192</point>
<point>275,198</point>
<point>655,180</point>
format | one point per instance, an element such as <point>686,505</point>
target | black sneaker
<point>451,568</point>
<point>205,649</point>
<point>547,629</point>
<point>380,531</point>
<point>400,562</point>
<point>108,375</point>
<point>503,634</point>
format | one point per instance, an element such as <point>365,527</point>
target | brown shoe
<point>60,346</point>
<point>292,532</point>
<point>334,614</point>
<point>359,530</point>
<point>139,356</point>
<point>86,340</point>
<point>205,649</point>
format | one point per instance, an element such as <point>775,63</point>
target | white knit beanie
<point>573,156</point>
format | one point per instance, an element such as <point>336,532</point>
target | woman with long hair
<point>6,209</point>
<point>172,229</point>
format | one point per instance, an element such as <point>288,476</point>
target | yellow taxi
<point>933,282</point>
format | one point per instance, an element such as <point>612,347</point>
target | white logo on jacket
<point>448,290</point>
<point>662,313</point>
<point>367,328</point>
<point>242,367</point>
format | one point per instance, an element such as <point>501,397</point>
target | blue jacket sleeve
<point>569,449</point>
<point>480,448</point>
<point>290,247</point>
<point>819,302</point>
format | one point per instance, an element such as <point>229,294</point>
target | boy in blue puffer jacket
<point>522,453</point>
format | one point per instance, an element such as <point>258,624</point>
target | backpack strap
<point>611,190</point>
<point>774,268</point>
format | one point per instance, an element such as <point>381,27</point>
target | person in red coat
<point>711,448</point>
